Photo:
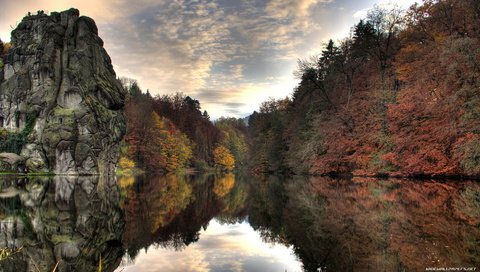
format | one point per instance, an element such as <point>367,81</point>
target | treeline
<point>170,133</point>
<point>401,96</point>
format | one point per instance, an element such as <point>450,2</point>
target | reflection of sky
<point>220,248</point>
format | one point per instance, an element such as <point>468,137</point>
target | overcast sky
<point>229,54</point>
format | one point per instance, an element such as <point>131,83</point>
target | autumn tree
<point>185,114</point>
<point>266,135</point>
<point>383,26</point>
<point>224,160</point>
<point>234,137</point>
<point>152,142</point>
<point>223,184</point>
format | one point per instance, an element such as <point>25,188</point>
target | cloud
<point>190,45</point>
<point>221,52</point>
<point>360,14</point>
<point>292,8</point>
<point>205,47</point>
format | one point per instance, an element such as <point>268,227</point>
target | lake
<point>238,223</point>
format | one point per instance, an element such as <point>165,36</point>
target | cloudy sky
<point>229,54</point>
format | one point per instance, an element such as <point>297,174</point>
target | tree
<point>185,114</point>
<point>398,97</point>
<point>386,24</point>
<point>223,185</point>
<point>224,160</point>
<point>1,48</point>
<point>126,164</point>
<point>328,63</point>
<point>234,138</point>
<point>205,115</point>
<point>152,142</point>
<point>363,39</point>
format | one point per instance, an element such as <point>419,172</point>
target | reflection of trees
<point>266,213</point>
<point>371,225</point>
<point>169,211</point>
<point>71,221</point>
<point>172,197</point>
<point>235,202</point>
<point>152,203</point>
<point>224,184</point>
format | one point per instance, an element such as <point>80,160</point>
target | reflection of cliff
<point>373,225</point>
<point>171,210</point>
<point>70,221</point>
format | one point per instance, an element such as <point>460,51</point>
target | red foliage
<point>421,116</point>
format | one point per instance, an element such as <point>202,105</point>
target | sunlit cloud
<point>228,54</point>
<point>360,14</point>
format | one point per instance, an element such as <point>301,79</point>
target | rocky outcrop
<point>11,162</point>
<point>60,101</point>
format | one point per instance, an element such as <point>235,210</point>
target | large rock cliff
<point>61,105</point>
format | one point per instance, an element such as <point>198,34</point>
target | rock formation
<point>61,106</point>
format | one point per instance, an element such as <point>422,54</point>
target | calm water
<point>234,223</point>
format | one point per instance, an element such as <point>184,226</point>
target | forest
<point>399,97</point>
<point>170,133</point>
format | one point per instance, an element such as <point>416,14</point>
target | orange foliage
<point>224,158</point>
<point>416,114</point>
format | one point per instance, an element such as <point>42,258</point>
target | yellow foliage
<point>6,47</point>
<point>173,197</point>
<point>126,163</point>
<point>126,181</point>
<point>223,158</point>
<point>224,185</point>
<point>168,148</point>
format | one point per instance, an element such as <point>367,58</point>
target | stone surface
<point>9,162</point>
<point>59,80</point>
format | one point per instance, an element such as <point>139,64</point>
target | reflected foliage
<point>359,224</point>
<point>371,225</point>
<point>169,211</point>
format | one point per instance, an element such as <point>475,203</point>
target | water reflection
<point>71,223</point>
<point>372,225</point>
<point>170,211</point>
<point>238,223</point>
<point>221,247</point>
<point>203,227</point>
